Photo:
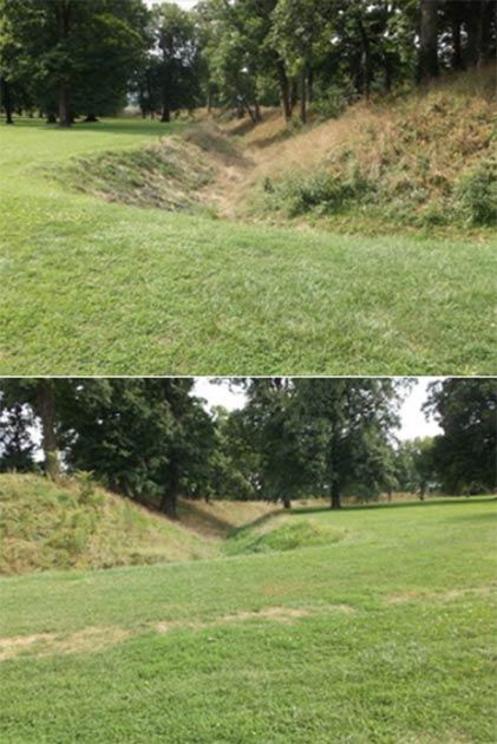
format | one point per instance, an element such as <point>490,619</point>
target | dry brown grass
<point>97,638</point>
<point>449,596</point>
<point>419,144</point>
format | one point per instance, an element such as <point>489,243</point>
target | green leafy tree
<point>175,69</point>
<point>415,467</point>
<point>235,464</point>
<point>46,398</point>
<point>77,54</point>
<point>466,454</point>
<point>351,421</point>
<point>146,438</point>
<point>17,448</point>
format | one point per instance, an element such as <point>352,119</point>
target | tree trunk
<point>45,404</point>
<point>303,97</point>
<point>251,113</point>
<point>428,53</point>
<point>284,90</point>
<point>335,497</point>
<point>170,497</point>
<point>457,57</point>
<point>294,95</point>
<point>387,66</point>
<point>166,114</point>
<point>258,115</point>
<point>65,118</point>
<point>7,101</point>
<point>63,9</point>
<point>169,504</point>
<point>488,32</point>
<point>365,60</point>
<point>310,84</point>
<point>474,49</point>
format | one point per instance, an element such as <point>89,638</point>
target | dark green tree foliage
<point>466,454</point>
<point>235,463</point>
<point>415,469</point>
<point>174,72</point>
<point>322,437</point>
<point>148,439</point>
<point>16,443</point>
<point>46,398</point>
<point>350,421</point>
<point>78,56</point>
<point>82,57</point>
<point>275,426</point>
<point>308,49</point>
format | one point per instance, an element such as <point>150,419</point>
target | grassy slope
<point>389,164</point>
<point>45,526</point>
<point>384,636</point>
<point>92,287</point>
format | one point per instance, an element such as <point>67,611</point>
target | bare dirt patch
<point>93,639</point>
<point>50,644</point>
<point>10,647</point>
<point>279,614</point>
<point>449,596</point>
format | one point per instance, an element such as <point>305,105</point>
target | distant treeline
<point>153,440</point>
<point>69,58</point>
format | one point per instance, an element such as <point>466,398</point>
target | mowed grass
<point>387,635</point>
<point>90,287</point>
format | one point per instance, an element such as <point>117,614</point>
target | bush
<point>87,495</point>
<point>332,104</point>
<point>477,194</point>
<point>321,192</point>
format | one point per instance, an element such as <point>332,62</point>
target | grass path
<point>385,636</point>
<point>90,287</point>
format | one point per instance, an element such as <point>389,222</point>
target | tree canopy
<point>153,440</point>
<point>70,58</point>
<point>465,456</point>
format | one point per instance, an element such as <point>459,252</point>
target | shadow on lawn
<point>399,505</point>
<point>107,126</point>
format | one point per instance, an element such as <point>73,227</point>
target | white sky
<point>186,4</point>
<point>413,420</point>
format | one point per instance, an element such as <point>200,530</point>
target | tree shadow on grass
<point>107,126</point>
<point>295,511</point>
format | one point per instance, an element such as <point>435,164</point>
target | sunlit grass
<point>95,288</point>
<point>387,635</point>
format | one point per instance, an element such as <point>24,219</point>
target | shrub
<point>477,194</point>
<point>87,495</point>
<point>332,104</point>
<point>321,192</point>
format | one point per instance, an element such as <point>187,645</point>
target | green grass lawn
<point>90,287</point>
<point>386,635</point>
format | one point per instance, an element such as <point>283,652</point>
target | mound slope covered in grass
<point>166,175</point>
<point>424,159</point>
<point>280,534</point>
<point>169,174</point>
<point>73,524</point>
